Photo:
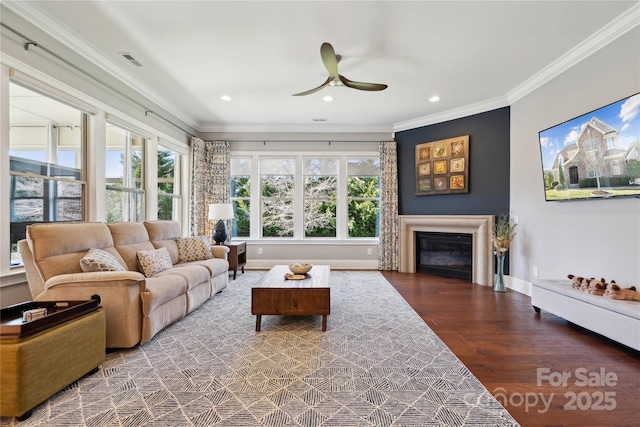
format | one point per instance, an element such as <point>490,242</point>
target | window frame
<point>50,147</point>
<point>342,205</point>
<point>133,196</point>
<point>176,180</point>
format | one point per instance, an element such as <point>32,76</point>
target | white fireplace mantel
<point>481,226</point>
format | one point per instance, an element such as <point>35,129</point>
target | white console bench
<point>614,319</point>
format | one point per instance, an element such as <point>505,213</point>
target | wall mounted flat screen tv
<point>594,156</point>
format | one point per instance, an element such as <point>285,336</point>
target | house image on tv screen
<point>595,155</point>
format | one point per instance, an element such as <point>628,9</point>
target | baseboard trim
<point>334,264</point>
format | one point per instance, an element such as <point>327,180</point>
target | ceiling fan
<point>330,61</point>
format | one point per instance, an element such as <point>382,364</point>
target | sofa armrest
<point>120,296</point>
<point>220,251</point>
<point>101,279</point>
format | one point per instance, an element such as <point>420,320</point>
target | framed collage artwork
<point>442,167</point>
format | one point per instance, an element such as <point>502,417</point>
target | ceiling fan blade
<point>329,59</point>
<point>310,91</point>
<point>362,85</point>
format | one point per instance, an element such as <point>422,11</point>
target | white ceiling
<point>475,55</point>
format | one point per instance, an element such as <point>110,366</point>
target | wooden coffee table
<point>275,295</point>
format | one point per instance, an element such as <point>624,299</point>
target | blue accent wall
<point>488,166</point>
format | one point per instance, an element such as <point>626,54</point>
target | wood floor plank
<point>504,343</point>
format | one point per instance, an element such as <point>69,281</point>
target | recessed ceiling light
<point>225,98</point>
<point>328,98</point>
<point>434,98</point>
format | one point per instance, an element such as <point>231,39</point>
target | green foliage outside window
<point>364,207</point>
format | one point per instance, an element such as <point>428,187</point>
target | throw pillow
<point>99,260</point>
<point>154,261</point>
<point>193,248</point>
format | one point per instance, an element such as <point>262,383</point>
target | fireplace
<point>444,254</point>
<point>479,226</point>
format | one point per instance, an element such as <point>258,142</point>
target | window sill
<point>15,277</point>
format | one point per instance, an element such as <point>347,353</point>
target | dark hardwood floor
<point>519,355</point>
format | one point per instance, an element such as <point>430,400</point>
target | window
<point>277,184</point>
<point>306,196</point>
<point>46,155</point>
<point>169,197</point>
<point>616,168</point>
<point>363,192</point>
<point>123,169</point>
<point>320,196</point>
<point>241,196</point>
<point>591,145</point>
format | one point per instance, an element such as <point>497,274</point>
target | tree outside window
<point>169,197</point>
<point>320,193</point>
<point>124,163</point>
<point>241,196</point>
<point>363,193</point>
<point>277,184</point>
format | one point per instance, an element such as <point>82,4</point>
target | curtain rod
<point>30,42</point>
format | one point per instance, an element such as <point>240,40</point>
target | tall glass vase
<point>499,284</point>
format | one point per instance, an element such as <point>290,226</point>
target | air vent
<point>130,58</point>
<point>319,120</point>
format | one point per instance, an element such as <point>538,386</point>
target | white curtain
<point>210,181</point>
<point>388,249</point>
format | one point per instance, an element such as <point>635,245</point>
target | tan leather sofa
<point>136,307</point>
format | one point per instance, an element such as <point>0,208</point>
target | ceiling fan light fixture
<point>330,61</point>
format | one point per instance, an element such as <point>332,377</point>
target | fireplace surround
<point>480,226</point>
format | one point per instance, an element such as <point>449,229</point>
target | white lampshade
<point>221,211</point>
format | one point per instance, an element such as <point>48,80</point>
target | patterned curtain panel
<point>210,181</point>
<point>388,250</point>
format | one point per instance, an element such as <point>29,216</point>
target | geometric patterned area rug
<point>378,364</point>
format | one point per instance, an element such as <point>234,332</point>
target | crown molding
<point>318,128</point>
<point>607,34</point>
<point>53,28</point>
<point>467,110</point>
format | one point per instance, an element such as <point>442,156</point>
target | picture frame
<point>442,167</point>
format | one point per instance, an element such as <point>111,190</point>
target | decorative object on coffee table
<point>220,212</point>
<point>300,268</point>
<point>503,233</point>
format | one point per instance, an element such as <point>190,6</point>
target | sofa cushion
<point>99,260</point>
<point>154,261</point>
<point>128,239</point>
<point>54,255</point>
<point>163,233</point>
<point>193,248</point>
<point>215,266</point>
<point>161,290</point>
<point>193,274</point>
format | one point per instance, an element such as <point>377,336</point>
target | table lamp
<point>220,212</point>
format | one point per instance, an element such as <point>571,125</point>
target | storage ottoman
<point>35,367</point>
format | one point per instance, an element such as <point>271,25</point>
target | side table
<point>237,256</point>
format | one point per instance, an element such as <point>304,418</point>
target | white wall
<point>595,238</point>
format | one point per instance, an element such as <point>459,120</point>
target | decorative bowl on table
<point>299,268</point>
